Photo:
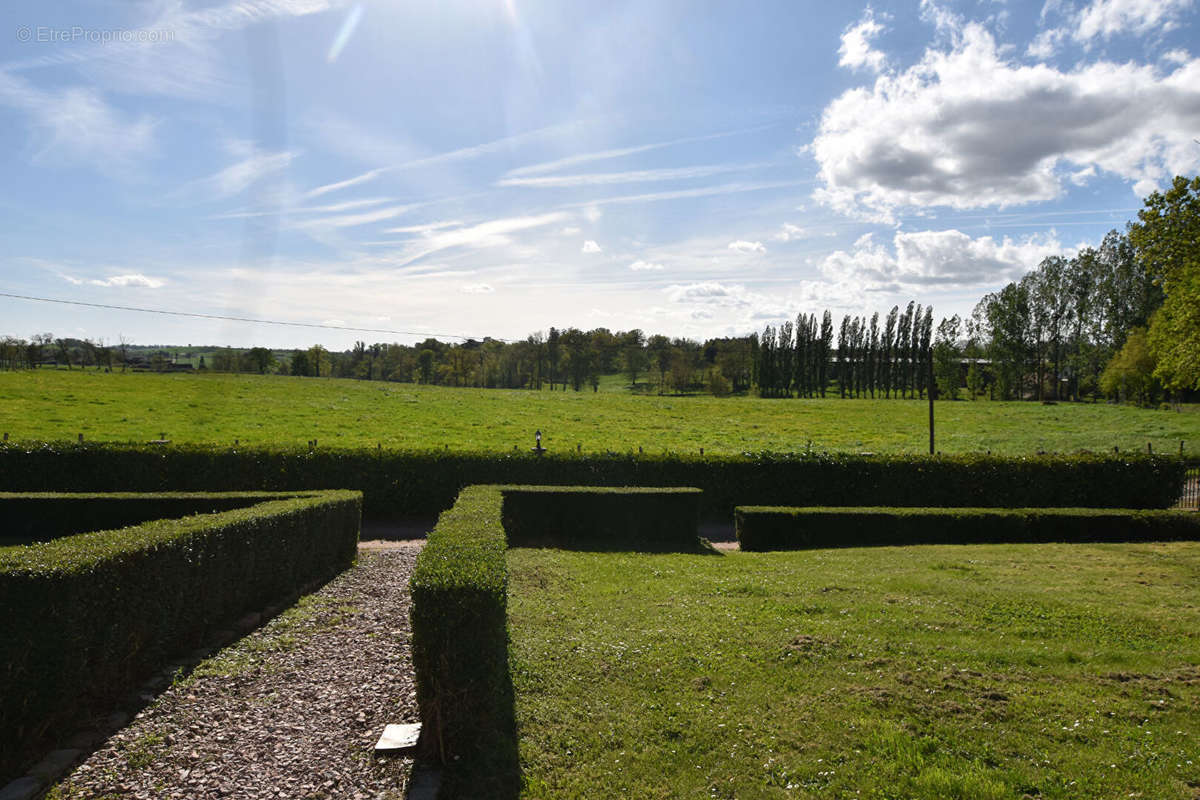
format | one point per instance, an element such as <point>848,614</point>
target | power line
<point>246,319</point>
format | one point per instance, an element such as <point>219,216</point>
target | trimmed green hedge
<point>40,517</point>
<point>601,518</point>
<point>86,617</point>
<point>460,598</point>
<point>776,528</point>
<point>460,647</point>
<point>426,482</point>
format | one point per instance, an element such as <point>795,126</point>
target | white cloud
<point>570,230</point>
<point>76,126</point>
<point>583,158</point>
<point>254,165</point>
<point>788,232</point>
<point>133,279</point>
<point>967,128</point>
<point>710,293</point>
<point>478,288</point>
<point>427,228</point>
<point>856,51</point>
<point>590,247</point>
<point>352,220</point>
<point>645,266</point>
<point>357,179</point>
<point>1046,43</point>
<point>742,246</point>
<point>1105,18</point>
<point>948,259</point>
<point>636,176</point>
<point>493,233</point>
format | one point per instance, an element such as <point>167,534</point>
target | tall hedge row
<point>460,647</point>
<point>40,517</point>
<point>601,518</point>
<point>776,528</point>
<point>426,482</point>
<point>86,617</point>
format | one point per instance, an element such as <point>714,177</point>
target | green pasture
<point>971,672</point>
<point>266,410</point>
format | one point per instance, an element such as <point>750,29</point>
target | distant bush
<point>86,617</point>
<point>425,482</point>
<point>781,528</point>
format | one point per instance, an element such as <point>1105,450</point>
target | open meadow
<point>277,410</point>
<point>980,672</point>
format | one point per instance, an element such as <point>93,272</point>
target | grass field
<point>57,404</point>
<point>973,672</point>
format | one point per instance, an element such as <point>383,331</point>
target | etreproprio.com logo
<point>78,33</point>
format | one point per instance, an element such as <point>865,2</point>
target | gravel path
<point>292,710</point>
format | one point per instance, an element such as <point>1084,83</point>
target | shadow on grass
<point>493,770</point>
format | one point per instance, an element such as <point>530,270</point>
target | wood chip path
<point>291,710</point>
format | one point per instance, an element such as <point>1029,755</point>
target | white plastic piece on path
<point>398,737</point>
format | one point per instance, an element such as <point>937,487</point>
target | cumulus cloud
<point>856,51</point>
<point>969,128</point>
<point>590,247</point>
<point>645,266</point>
<point>948,259</point>
<point>788,232</point>
<point>742,246</point>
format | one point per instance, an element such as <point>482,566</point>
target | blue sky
<point>494,167</point>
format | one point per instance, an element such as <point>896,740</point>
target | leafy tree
<point>974,380</point>
<point>1008,328</point>
<point>1130,373</point>
<point>299,365</point>
<point>659,348</point>
<point>318,361</point>
<point>261,359</point>
<point>718,384</point>
<point>1167,241</point>
<point>425,365</point>
<point>633,355</point>
<point>947,357</point>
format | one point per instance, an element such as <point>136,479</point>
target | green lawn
<point>60,404</point>
<point>974,672</point>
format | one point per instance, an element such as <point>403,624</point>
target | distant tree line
<point>1120,320</point>
<point>1050,335</point>
<point>799,359</point>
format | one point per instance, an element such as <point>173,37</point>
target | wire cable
<point>230,318</point>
